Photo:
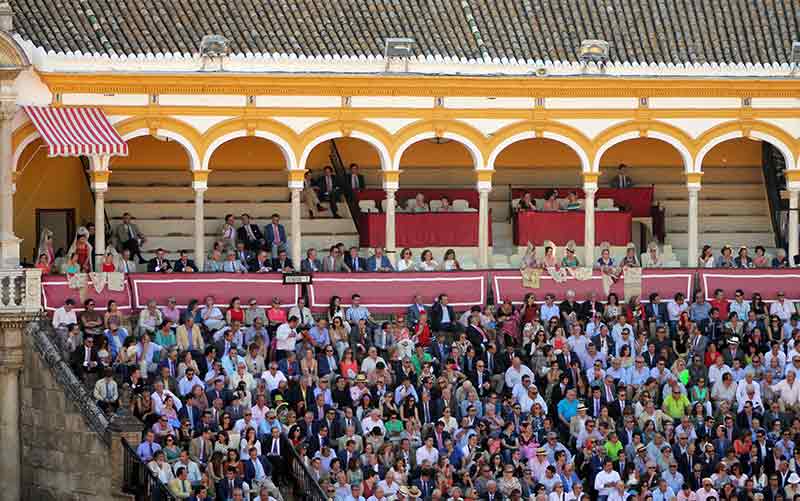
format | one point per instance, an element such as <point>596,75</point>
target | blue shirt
<point>567,409</point>
<point>699,312</point>
<point>354,314</point>
<point>320,336</point>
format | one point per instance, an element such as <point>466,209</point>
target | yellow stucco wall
<point>48,183</point>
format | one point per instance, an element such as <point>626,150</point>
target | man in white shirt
<point>548,310</point>
<point>160,394</point>
<point>302,313</point>
<point>273,377</point>
<point>428,452</point>
<point>788,392</point>
<point>194,476</point>
<point>782,308</point>
<point>188,381</point>
<point>371,421</point>
<point>286,336</point>
<point>515,373</point>
<point>606,481</point>
<point>65,315</point>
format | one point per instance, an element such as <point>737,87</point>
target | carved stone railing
<point>20,290</point>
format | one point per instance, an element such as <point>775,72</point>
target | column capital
<point>793,179</point>
<point>590,178</point>
<point>297,178</point>
<point>99,180</point>
<point>391,179</point>
<point>200,180</point>
<point>693,179</point>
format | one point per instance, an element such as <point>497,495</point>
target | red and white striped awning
<point>74,132</point>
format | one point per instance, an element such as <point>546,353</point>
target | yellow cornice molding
<point>694,177</point>
<point>416,85</point>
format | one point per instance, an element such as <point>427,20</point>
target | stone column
<point>99,178</point>
<point>122,425</point>
<point>391,182</point>
<point>9,243</point>
<point>199,185</point>
<point>794,237</point>
<point>296,185</point>
<point>484,188</point>
<point>11,362</point>
<point>589,190</point>
<point>693,185</point>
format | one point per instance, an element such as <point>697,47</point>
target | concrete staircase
<point>162,204</point>
<point>732,214</point>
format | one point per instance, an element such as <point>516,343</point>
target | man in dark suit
<point>329,190</point>
<point>311,263</point>
<point>618,406</point>
<point>218,391</point>
<point>160,263</point>
<point>256,467</point>
<point>481,379</point>
<point>425,483</point>
<point>250,234</point>
<point>413,312</point>
<point>275,236</point>
<point>84,360</point>
<point>262,263</point>
<point>443,317</point>
<point>244,255</point>
<point>327,363</point>
<point>621,179</point>
<point>355,262</point>
<point>184,264</point>
<point>589,307</point>
<point>282,263</point>
<point>439,349</point>
<point>318,441</point>
<point>191,412</point>
<point>596,402</point>
<point>656,311</point>
<point>429,410</point>
<point>226,486</point>
<point>355,179</point>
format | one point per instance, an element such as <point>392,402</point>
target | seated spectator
<point>706,258</point>
<point>573,203</point>
<point>244,255</point>
<point>446,205</point>
<point>214,262</point>
<point>228,233</point>
<point>551,201</point>
<point>160,263</point>
<point>761,260</point>
<point>356,178</point>
<point>743,260</point>
<point>379,262</point>
<point>449,262</point>
<point>780,260</point>
<point>355,262</point>
<point>328,189</point>
<point>526,202</point>
<point>130,238</point>
<point>334,262</point>
<point>150,318</point>
<point>211,315</point>
<point>261,263</point>
<point>652,259</point>
<point>443,316</point>
<point>406,261</point>
<point>310,264</point>
<point>419,204</point>
<point>105,392</point>
<point>108,265</point>
<point>91,320</point>
<point>232,264</point>
<point>605,260</point>
<point>725,259</point>
<point>184,264</point>
<point>426,262</point>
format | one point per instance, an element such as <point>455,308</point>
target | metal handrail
<point>300,473</point>
<point>139,480</point>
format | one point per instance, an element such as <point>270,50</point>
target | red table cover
<point>766,282</point>
<point>55,290</point>
<point>561,227</point>
<point>394,292</point>
<point>667,282</point>
<point>223,286</point>
<point>637,200</point>
<point>427,229</point>
<point>470,195</point>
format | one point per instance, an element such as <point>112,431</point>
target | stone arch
<point>566,135</point>
<point>457,131</point>
<point>20,140</point>
<point>332,129</point>
<point>644,129</point>
<point>180,132</point>
<point>776,136</point>
<point>283,137</point>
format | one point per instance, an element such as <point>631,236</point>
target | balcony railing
<point>20,291</point>
<point>304,482</point>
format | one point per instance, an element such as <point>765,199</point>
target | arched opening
<point>534,166</point>
<point>733,205</point>
<point>654,173</point>
<point>39,202</point>
<point>153,183</point>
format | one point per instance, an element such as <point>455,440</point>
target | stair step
<point>717,240</point>
<point>716,224</point>
<point>186,194</point>
<point>716,207</point>
<point>751,191</point>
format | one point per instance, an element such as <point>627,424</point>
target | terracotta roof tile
<point>644,31</point>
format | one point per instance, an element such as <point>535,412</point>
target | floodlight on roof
<point>593,51</point>
<point>398,48</point>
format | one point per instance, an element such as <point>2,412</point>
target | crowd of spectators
<point>600,399</point>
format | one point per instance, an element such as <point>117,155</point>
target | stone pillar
<point>20,296</point>
<point>9,243</point>
<point>794,237</point>
<point>296,185</point>
<point>99,181</point>
<point>391,182</point>
<point>122,425</point>
<point>693,185</point>
<point>589,190</point>
<point>199,185</point>
<point>484,188</point>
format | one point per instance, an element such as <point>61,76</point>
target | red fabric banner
<point>470,195</point>
<point>55,290</point>
<point>766,282</point>
<point>637,200</point>
<point>667,282</point>
<point>393,292</point>
<point>426,229</point>
<point>223,286</point>
<point>561,227</point>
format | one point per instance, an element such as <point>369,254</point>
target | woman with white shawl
<point>82,250</point>
<point>652,258</point>
<point>46,247</point>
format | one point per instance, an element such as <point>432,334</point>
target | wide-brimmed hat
<point>570,247</point>
<point>414,491</point>
<point>361,378</point>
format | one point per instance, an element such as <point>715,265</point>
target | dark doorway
<point>61,222</point>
